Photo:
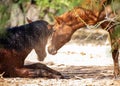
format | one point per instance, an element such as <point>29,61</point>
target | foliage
<point>4,16</point>
<point>116,9</point>
<point>116,33</point>
<point>56,7</point>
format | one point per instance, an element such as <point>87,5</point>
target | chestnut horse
<point>17,43</point>
<point>73,20</point>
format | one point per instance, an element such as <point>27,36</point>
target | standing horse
<point>17,43</point>
<point>73,20</point>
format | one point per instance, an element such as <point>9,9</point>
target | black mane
<point>27,35</point>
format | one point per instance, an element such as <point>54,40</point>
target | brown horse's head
<point>66,25</point>
<point>62,34</point>
<point>69,22</point>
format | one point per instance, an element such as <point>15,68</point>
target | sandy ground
<point>83,62</point>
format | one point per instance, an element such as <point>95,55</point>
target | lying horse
<point>73,20</point>
<point>17,43</point>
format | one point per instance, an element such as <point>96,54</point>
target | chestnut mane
<point>72,16</point>
<point>80,17</point>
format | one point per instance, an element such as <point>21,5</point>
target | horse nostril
<point>51,50</point>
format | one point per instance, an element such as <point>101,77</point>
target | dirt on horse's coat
<point>17,43</point>
<point>67,23</point>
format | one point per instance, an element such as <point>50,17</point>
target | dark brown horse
<point>71,21</point>
<point>17,43</point>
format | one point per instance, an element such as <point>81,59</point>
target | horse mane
<point>72,17</point>
<point>26,35</point>
<point>80,16</point>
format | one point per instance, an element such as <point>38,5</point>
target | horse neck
<point>86,17</point>
<point>80,17</point>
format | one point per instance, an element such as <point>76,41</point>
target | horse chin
<point>52,50</point>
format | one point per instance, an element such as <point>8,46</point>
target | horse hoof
<point>117,75</point>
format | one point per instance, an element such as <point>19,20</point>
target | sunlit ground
<point>79,55</point>
<point>82,55</point>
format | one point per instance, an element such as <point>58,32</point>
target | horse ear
<point>28,20</point>
<point>59,20</point>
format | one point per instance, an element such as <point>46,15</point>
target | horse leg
<point>115,55</point>
<point>41,70</point>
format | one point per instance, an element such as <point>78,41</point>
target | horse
<point>67,23</point>
<point>17,42</point>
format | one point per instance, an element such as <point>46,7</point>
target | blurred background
<point>14,12</point>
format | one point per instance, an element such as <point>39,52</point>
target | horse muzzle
<point>52,50</point>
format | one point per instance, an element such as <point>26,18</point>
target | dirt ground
<point>77,76</point>
<point>83,61</point>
